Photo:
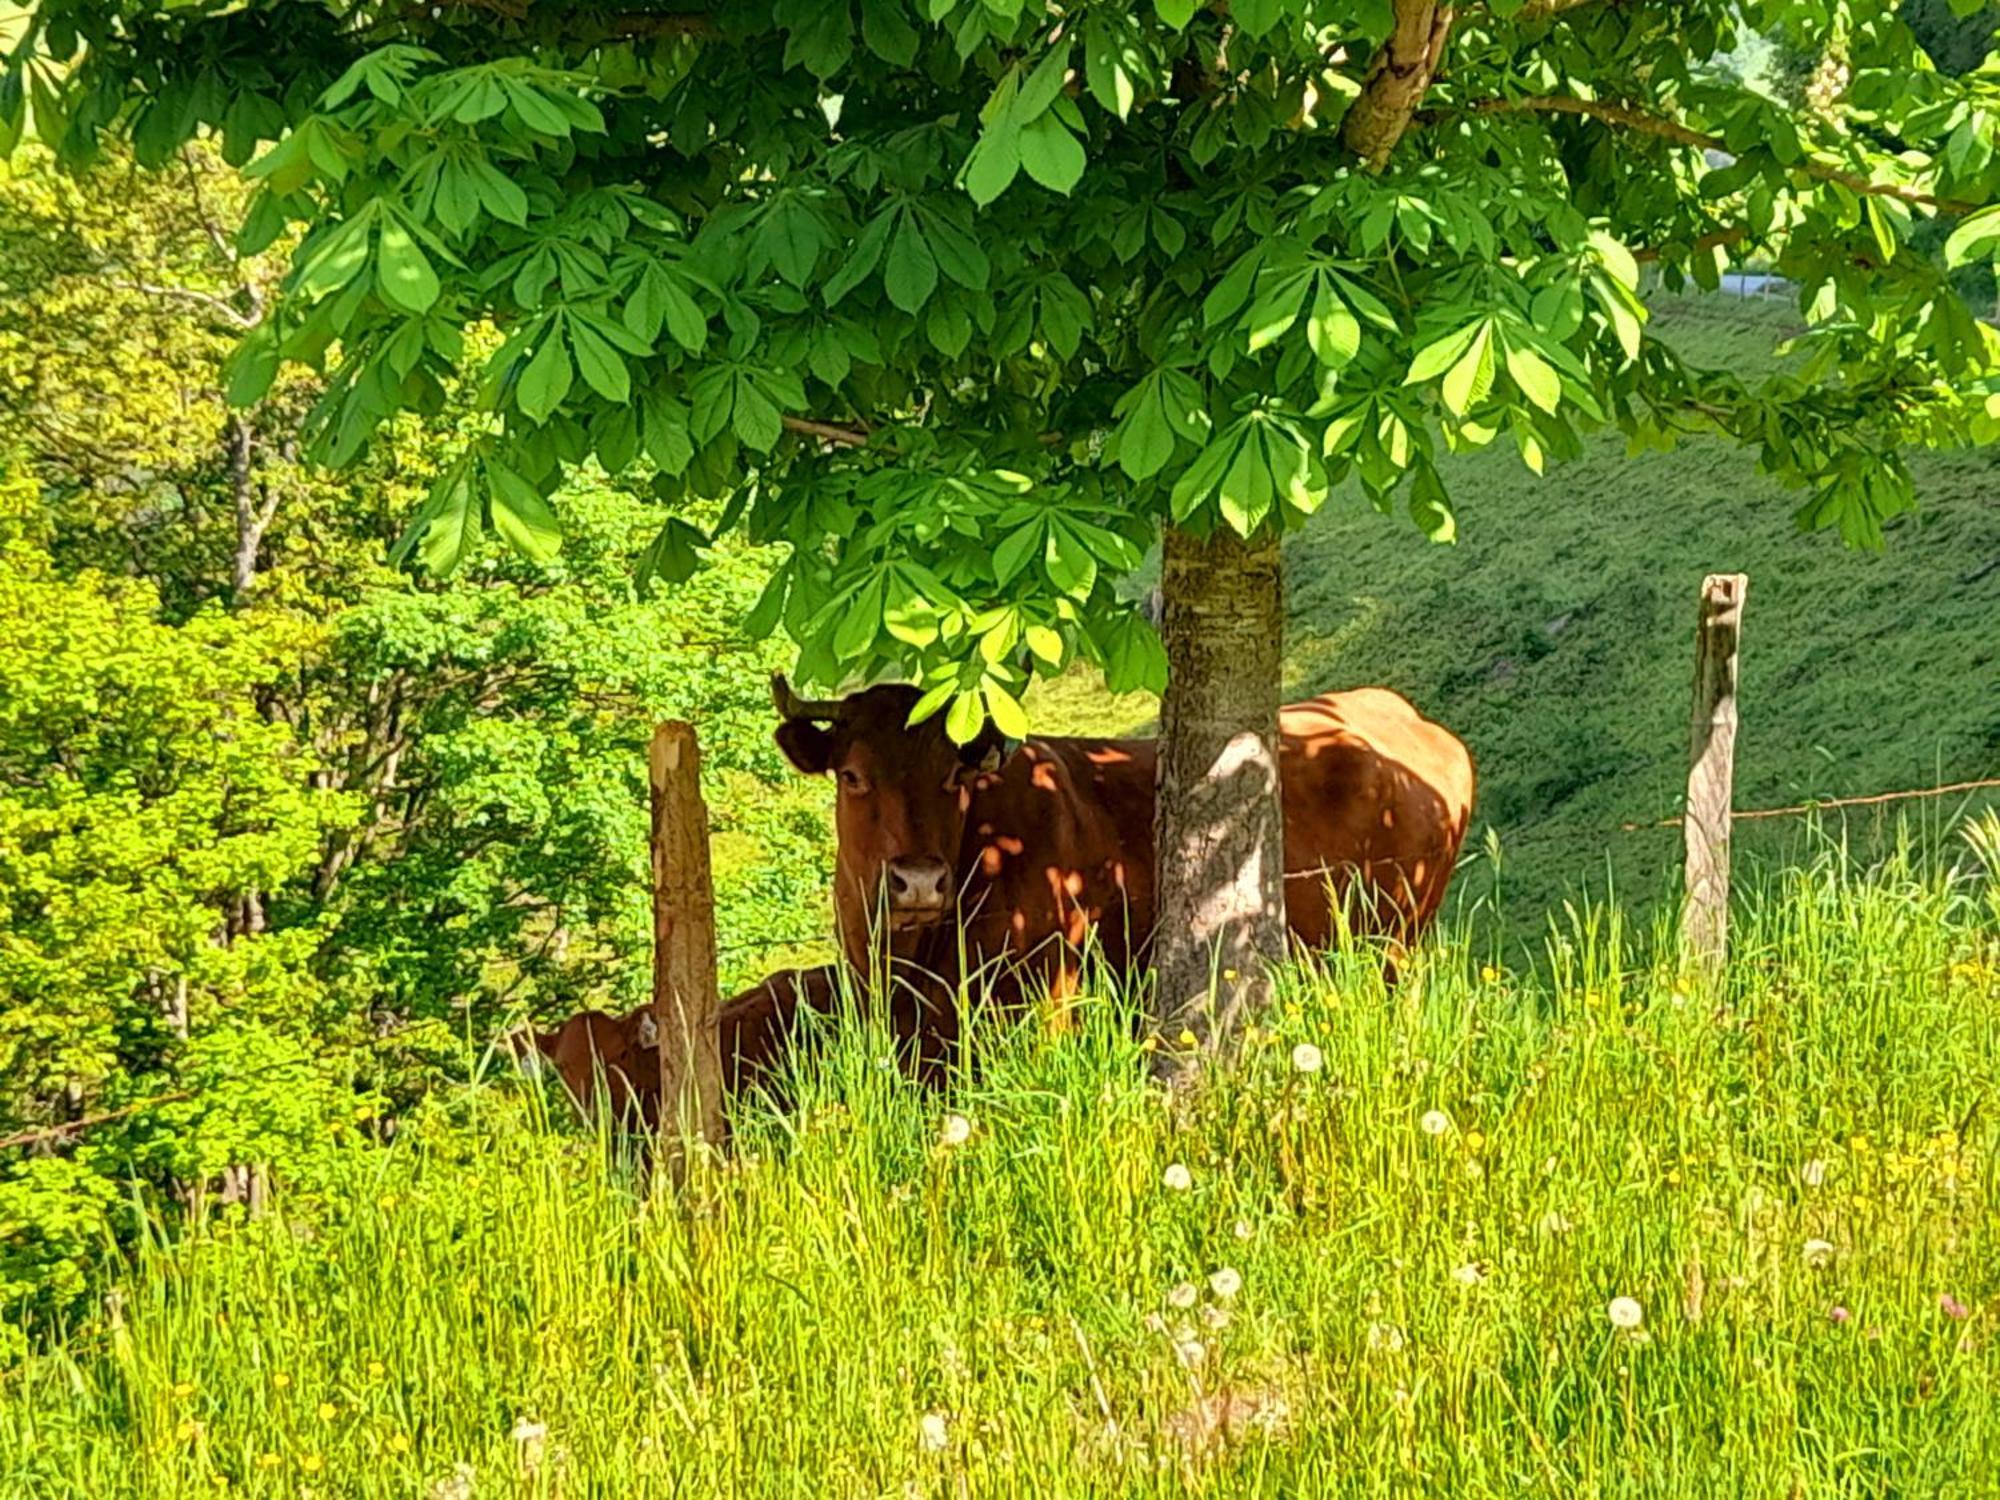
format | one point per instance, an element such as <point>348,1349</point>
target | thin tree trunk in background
<point>253,515</point>
<point>685,1000</point>
<point>249,535</point>
<point>1220,829</point>
<point>1711,772</point>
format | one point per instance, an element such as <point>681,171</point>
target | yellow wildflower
<point>328,1411</point>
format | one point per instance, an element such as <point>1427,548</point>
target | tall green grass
<point>1391,1267</point>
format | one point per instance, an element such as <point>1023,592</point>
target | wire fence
<point>1797,809</point>
<point>825,936</point>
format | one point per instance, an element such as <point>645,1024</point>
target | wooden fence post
<point>1711,771</point>
<point>685,1000</point>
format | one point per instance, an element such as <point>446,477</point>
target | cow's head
<point>903,793</point>
<point>621,1049</point>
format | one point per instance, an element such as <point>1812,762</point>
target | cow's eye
<point>852,780</point>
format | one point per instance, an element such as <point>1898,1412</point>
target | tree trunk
<point>1220,831</point>
<point>254,514</point>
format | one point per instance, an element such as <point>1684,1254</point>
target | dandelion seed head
<point>1225,1282</point>
<point>1434,1122</point>
<point>1190,1352</point>
<point>955,1131</point>
<point>1306,1058</point>
<point>1625,1312</point>
<point>1242,1230</point>
<point>1183,1296</point>
<point>1817,1253</point>
<point>1385,1338</point>
<point>1178,1177</point>
<point>1213,1317</point>
<point>933,1432</point>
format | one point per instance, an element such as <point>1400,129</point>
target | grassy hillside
<point>1557,636</point>
<point>1501,1236</point>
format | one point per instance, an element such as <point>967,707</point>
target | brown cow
<point>755,1027</point>
<point>1034,850</point>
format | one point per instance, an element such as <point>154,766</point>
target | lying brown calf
<point>755,1027</point>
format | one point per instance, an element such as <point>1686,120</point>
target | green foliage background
<point>272,851</point>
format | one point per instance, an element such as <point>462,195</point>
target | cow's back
<point>1058,850</point>
<point>1371,789</point>
<point>1061,842</point>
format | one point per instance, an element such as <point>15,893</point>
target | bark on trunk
<point>1220,852</point>
<point>1397,80</point>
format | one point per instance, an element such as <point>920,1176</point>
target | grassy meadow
<point>1571,1230</point>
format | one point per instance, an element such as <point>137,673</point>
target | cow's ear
<point>647,1032</point>
<point>806,746</point>
<point>988,753</point>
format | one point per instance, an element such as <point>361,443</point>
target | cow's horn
<point>792,706</point>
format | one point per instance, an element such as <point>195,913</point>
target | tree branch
<point>1544,10</point>
<point>1397,80</point>
<point>1710,241</point>
<point>220,306</point>
<point>616,23</point>
<point>1700,140</point>
<point>846,437</point>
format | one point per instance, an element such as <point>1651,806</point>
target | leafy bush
<point>147,807</point>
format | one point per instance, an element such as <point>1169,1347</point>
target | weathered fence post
<point>1711,771</point>
<point>684,988</point>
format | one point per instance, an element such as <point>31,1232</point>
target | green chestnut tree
<point>970,301</point>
